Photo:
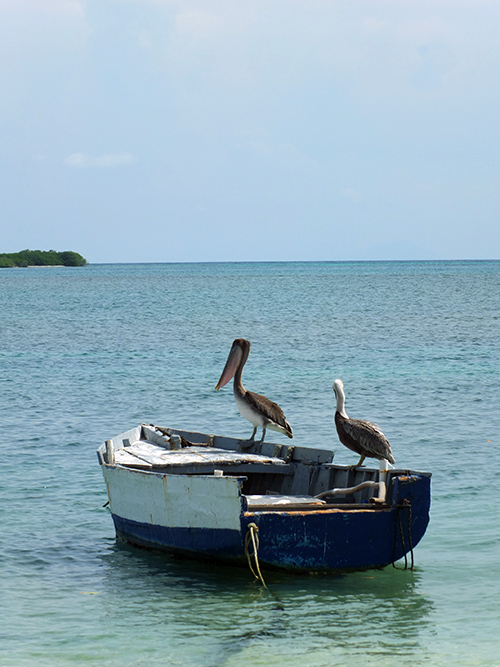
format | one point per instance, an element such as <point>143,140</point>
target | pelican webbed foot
<point>246,444</point>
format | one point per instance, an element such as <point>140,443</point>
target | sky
<point>250,130</point>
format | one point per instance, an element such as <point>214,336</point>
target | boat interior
<point>274,476</point>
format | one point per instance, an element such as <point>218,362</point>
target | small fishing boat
<point>218,498</point>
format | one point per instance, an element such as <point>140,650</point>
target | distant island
<point>41,258</point>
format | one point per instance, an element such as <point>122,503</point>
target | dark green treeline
<point>41,258</point>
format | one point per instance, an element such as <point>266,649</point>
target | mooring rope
<point>407,502</point>
<point>398,522</point>
<point>252,535</point>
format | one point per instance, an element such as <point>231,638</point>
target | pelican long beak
<point>232,363</point>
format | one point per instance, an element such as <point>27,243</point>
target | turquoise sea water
<point>87,353</point>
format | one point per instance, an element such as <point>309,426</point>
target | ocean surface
<point>86,353</point>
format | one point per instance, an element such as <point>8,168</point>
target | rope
<point>407,502</point>
<point>252,536</point>
<point>398,522</point>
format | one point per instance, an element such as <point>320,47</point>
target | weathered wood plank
<point>124,458</point>
<point>158,456</point>
<point>264,501</point>
<point>288,452</point>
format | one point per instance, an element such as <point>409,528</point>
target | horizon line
<point>300,261</point>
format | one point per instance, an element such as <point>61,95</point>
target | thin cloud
<point>84,161</point>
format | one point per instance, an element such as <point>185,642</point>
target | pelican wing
<point>269,410</point>
<point>370,438</point>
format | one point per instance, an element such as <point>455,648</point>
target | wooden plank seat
<point>146,455</point>
<point>258,502</point>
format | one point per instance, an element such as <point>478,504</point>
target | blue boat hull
<point>336,539</point>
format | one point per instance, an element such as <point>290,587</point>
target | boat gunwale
<point>318,509</point>
<point>405,473</point>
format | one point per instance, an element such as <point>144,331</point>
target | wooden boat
<point>201,496</point>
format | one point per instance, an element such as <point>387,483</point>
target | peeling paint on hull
<point>341,541</point>
<point>323,540</point>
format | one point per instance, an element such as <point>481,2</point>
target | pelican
<point>362,437</point>
<point>258,409</point>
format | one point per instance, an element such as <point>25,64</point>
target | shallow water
<point>87,353</point>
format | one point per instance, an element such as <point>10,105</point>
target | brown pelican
<point>258,409</point>
<point>362,437</point>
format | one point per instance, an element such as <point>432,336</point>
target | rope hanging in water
<point>398,522</point>
<point>252,536</point>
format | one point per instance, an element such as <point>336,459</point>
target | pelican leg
<point>263,435</point>
<point>246,444</point>
<point>359,463</point>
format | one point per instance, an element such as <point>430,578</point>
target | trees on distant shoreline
<point>41,258</point>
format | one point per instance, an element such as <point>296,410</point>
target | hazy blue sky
<point>213,130</point>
